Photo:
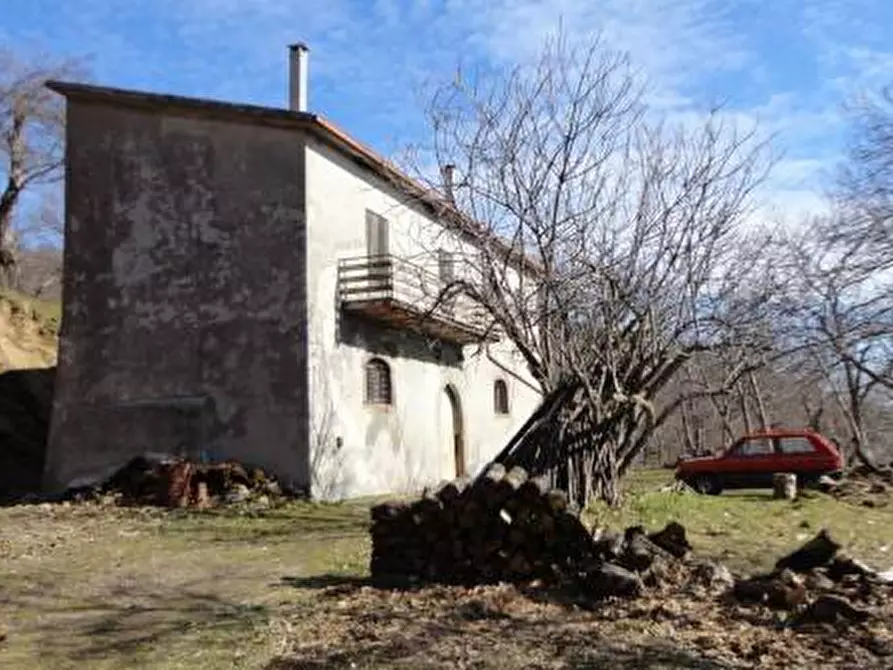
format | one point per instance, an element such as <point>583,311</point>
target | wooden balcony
<point>403,294</point>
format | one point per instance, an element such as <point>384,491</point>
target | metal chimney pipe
<point>298,55</point>
<point>446,173</point>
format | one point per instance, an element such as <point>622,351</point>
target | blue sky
<point>789,64</point>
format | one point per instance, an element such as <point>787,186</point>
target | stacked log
<point>505,526</point>
<point>784,486</point>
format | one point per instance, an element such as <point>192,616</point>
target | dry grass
<point>87,586</point>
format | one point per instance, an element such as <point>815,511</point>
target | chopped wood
<point>672,539</point>
<point>819,551</point>
<point>778,591</point>
<point>609,580</point>
<point>504,526</point>
<point>830,608</point>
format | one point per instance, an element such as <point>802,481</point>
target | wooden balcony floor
<point>402,315</point>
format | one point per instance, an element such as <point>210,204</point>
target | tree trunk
<point>758,399</point>
<point>8,200</point>
<point>745,410</point>
<point>859,439</point>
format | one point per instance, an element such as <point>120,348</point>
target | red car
<point>751,461</point>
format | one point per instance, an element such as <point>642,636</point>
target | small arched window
<point>378,383</point>
<point>500,397</point>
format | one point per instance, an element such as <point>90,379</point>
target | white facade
<point>359,448</point>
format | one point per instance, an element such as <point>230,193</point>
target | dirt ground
<point>284,588</point>
<point>506,627</point>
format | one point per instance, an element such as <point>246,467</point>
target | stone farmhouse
<point>252,283</point>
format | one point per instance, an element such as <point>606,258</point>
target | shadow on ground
<point>126,622</point>
<point>326,581</point>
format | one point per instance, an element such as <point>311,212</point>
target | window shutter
<point>376,234</point>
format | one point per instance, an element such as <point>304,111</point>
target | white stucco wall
<point>357,449</point>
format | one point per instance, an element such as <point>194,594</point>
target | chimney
<point>298,55</point>
<point>447,173</point>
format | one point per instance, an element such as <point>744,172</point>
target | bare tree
<point>39,264</point>
<point>31,135</point>
<point>864,192</point>
<point>607,247</point>
<point>843,320</point>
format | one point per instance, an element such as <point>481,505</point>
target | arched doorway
<point>454,424</point>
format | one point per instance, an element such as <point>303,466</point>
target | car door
<point>749,463</point>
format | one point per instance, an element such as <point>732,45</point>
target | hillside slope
<point>28,332</point>
<point>28,340</point>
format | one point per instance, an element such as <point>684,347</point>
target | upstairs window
<point>500,397</point>
<point>378,383</point>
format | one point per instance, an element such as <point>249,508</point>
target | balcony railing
<point>406,294</point>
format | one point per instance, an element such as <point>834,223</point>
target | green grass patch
<point>749,529</point>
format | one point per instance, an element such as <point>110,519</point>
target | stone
<point>238,493</point>
<point>715,577</point>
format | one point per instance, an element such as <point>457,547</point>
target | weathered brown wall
<point>184,324</point>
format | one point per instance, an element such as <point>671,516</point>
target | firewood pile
<point>177,482</point>
<point>508,527</point>
<point>820,584</point>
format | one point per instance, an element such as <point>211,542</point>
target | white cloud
<point>370,57</point>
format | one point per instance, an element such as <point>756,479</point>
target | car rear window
<point>796,445</point>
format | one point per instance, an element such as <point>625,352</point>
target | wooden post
<point>784,485</point>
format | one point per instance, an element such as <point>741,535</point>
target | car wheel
<point>706,485</point>
<point>807,481</point>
